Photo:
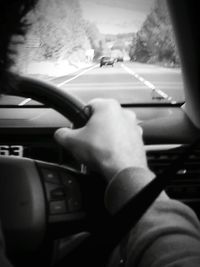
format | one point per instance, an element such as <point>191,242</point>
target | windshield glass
<point>104,48</point>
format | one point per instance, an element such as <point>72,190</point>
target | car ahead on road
<point>48,205</point>
<point>105,61</point>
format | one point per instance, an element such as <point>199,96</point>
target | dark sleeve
<point>3,259</point>
<point>125,185</point>
<point>167,235</point>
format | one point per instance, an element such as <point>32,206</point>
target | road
<point>127,82</point>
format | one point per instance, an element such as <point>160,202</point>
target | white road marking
<point>25,101</point>
<point>147,83</point>
<point>76,76</point>
<point>150,85</point>
<point>141,79</point>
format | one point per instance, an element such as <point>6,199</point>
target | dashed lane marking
<point>24,102</point>
<point>148,84</point>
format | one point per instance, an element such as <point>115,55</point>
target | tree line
<point>58,31</point>
<point>154,42</point>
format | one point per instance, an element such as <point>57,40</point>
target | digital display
<point>14,150</point>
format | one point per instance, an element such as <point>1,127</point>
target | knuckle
<point>130,114</point>
<point>99,102</point>
<point>113,101</point>
<point>95,102</point>
<point>113,104</point>
<point>133,115</point>
<point>140,130</point>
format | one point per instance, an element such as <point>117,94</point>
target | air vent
<point>185,184</point>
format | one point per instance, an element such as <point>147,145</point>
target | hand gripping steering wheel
<point>37,196</point>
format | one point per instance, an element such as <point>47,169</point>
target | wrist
<point>111,168</point>
<point>124,185</point>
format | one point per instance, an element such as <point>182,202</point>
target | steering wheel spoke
<point>22,204</point>
<point>62,192</point>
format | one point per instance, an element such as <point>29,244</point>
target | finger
<point>88,110</point>
<point>130,115</point>
<point>100,104</point>
<point>140,129</point>
<point>67,137</point>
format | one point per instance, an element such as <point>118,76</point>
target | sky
<point>116,16</point>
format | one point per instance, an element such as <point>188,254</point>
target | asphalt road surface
<point>127,82</point>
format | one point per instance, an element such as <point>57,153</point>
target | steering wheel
<point>39,198</point>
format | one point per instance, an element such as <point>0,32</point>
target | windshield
<point>104,48</point>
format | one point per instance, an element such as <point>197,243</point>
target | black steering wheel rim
<point>66,104</point>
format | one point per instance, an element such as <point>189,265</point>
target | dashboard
<point>28,132</point>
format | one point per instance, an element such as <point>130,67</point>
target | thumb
<point>66,137</point>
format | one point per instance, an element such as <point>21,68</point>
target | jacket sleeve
<point>167,235</point>
<point>3,259</point>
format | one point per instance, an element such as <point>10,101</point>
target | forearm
<point>3,259</point>
<point>125,185</point>
<point>168,233</point>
